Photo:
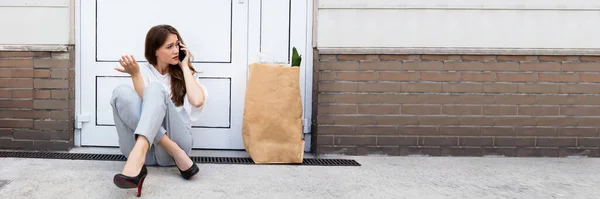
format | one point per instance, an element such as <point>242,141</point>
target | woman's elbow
<point>197,103</point>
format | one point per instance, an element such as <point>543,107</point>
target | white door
<point>216,33</point>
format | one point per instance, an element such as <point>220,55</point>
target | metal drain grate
<point>330,162</point>
<point>206,160</point>
<point>223,160</point>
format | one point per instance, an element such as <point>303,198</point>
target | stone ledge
<point>463,51</point>
<point>35,48</point>
<point>460,151</point>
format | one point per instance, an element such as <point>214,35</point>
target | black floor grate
<point>206,160</point>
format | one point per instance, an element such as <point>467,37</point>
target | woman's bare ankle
<point>136,159</point>
<point>182,160</point>
<point>133,166</point>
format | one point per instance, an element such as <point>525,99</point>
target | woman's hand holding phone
<point>183,54</point>
<point>129,65</point>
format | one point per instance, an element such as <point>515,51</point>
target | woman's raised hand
<point>187,54</point>
<point>129,65</point>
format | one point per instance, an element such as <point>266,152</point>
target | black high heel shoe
<point>126,182</point>
<point>187,174</point>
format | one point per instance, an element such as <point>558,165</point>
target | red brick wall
<point>36,100</point>
<point>457,105</point>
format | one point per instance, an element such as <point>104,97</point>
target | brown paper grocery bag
<point>272,122</point>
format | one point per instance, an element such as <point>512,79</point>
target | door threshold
<point>195,152</point>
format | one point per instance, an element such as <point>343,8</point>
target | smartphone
<point>181,54</point>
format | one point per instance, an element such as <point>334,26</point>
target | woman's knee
<point>122,92</point>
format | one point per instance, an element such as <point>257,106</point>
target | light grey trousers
<point>153,116</point>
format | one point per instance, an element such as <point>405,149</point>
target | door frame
<point>306,70</point>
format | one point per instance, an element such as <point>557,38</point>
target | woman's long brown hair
<point>155,38</point>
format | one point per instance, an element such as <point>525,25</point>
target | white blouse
<point>150,74</point>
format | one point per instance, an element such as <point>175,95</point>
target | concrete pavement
<point>378,177</point>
